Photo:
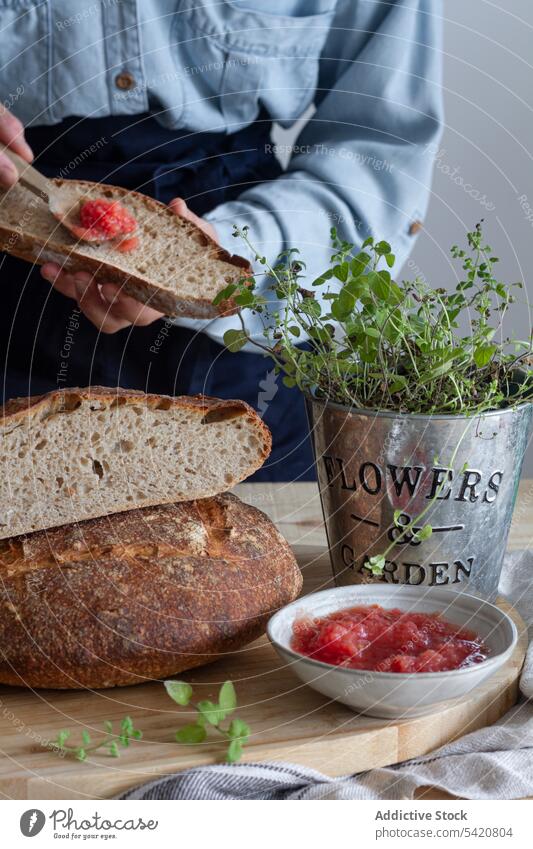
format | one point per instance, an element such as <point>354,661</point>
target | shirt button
<point>125,81</point>
<point>415,227</point>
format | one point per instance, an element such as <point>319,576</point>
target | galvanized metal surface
<point>371,464</point>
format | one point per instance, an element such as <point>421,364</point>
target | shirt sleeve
<point>363,162</point>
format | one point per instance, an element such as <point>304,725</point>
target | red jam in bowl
<point>373,638</point>
<point>106,219</point>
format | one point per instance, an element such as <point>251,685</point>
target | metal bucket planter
<point>371,464</point>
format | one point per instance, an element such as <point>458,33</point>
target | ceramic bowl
<point>392,694</point>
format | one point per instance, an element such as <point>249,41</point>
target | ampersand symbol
<point>398,533</point>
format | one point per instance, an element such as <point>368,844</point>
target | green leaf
<point>382,248</point>
<point>483,354</point>
<point>191,734</point>
<point>239,729</point>
<point>397,514</point>
<point>108,726</point>
<point>433,373</point>
<point>398,382</point>
<point>368,351</point>
<point>343,305</point>
<point>287,381</point>
<point>379,285</point>
<point>375,564</point>
<point>341,272</point>
<point>234,340</point>
<point>323,278</point>
<point>245,299</point>
<point>127,725</point>
<point>86,737</point>
<point>113,750</point>
<point>384,287</point>
<point>359,263</point>
<point>227,698</point>
<point>234,751</point>
<point>390,259</point>
<point>81,754</point>
<point>224,294</point>
<point>179,691</point>
<point>209,711</point>
<point>356,287</point>
<point>295,330</point>
<point>62,737</point>
<point>397,295</point>
<point>424,533</point>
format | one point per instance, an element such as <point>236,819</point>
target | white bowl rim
<point>494,660</point>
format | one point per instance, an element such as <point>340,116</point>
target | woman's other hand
<point>12,136</point>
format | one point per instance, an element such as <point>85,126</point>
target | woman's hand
<point>105,304</point>
<point>179,206</point>
<point>12,136</point>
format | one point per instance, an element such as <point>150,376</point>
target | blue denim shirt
<point>371,68</point>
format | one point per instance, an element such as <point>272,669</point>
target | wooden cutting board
<point>289,722</point>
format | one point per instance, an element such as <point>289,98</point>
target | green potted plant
<point>419,407</point>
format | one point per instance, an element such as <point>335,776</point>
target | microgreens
<point>110,741</point>
<point>211,715</point>
<point>377,344</point>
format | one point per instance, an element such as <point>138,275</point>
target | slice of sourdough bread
<point>176,268</point>
<point>76,454</point>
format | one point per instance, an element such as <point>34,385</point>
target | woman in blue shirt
<point>176,98</point>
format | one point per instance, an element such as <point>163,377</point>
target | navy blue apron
<point>47,343</point>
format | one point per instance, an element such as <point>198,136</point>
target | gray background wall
<point>484,166</point>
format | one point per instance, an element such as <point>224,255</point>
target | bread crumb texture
<point>77,454</point>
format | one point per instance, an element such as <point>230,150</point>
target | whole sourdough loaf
<point>76,454</point>
<point>139,595</point>
<point>176,268</point>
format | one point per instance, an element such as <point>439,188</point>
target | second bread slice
<point>76,454</point>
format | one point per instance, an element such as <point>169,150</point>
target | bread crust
<point>112,612</point>
<point>39,251</point>
<point>19,409</point>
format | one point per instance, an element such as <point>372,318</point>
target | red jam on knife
<point>106,219</point>
<point>379,640</point>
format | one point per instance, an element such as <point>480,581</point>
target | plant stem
<point>412,524</point>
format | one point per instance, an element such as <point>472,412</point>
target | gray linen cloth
<point>493,763</point>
